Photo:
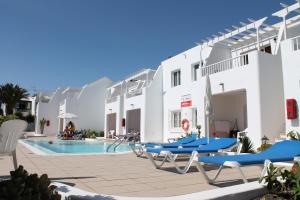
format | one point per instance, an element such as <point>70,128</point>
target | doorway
<point>61,125</point>
<point>133,121</point>
<point>111,123</point>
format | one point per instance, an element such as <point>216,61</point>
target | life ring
<point>185,124</point>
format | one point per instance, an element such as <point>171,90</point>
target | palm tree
<point>11,94</point>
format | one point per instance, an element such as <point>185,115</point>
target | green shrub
<point>6,118</point>
<point>19,115</point>
<point>247,145</point>
<point>24,186</point>
<point>264,147</point>
<point>29,118</point>
<point>293,135</point>
<point>283,183</point>
<point>101,134</point>
<point>88,133</point>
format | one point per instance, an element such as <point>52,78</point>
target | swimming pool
<point>78,147</point>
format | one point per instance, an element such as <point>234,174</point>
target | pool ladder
<point>121,139</point>
<point>117,143</point>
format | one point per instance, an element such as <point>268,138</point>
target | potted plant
<point>282,183</point>
<point>22,185</point>
<point>42,125</point>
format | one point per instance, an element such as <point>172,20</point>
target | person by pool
<point>69,131</point>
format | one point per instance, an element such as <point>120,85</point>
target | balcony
<point>112,99</point>
<point>225,65</point>
<point>136,89</point>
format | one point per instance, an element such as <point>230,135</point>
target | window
<point>244,60</point>
<point>195,69</point>
<point>296,44</point>
<point>267,49</point>
<point>23,105</point>
<point>175,78</point>
<point>176,119</point>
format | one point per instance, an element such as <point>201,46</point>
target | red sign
<point>186,103</point>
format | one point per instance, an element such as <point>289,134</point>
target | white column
<point>257,38</point>
<point>285,29</point>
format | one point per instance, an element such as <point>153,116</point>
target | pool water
<point>74,146</point>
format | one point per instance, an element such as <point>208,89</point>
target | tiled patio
<point>122,175</point>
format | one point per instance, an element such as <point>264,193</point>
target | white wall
<point>137,102</point>
<point>154,109</point>
<point>230,106</point>
<point>89,105</point>
<point>118,108</point>
<point>49,111</point>
<point>291,74</point>
<point>254,78</point>
<point>271,95</point>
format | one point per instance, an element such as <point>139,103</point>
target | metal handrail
<point>120,140</point>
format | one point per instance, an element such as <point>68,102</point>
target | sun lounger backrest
<point>287,148</point>
<point>222,143</point>
<point>10,132</point>
<point>188,139</point>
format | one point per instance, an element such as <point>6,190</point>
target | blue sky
<point>46,44</point>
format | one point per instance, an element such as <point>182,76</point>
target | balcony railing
<point>112,99</point>
<point>134,93</point>
<point>296,43</point>
<point>225,65</point>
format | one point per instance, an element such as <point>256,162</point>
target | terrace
<point>256,35</point>
<point>122,175</point>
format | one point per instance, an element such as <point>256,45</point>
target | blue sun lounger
<point>280,152</point>
<point>180,142</point>
<point>139,149</point>
<point>216,146</point>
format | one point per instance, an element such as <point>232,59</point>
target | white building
<point>253,70</point>
<point>86,103</point>
<point>290,51</point>
<point>26,106</point>
<point>247,80</point>
<point>135,105</point>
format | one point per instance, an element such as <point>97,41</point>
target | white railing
<point>136,89</point>
<point>112,99</point>
<point>134,93</point>
<point>225,65</point>
<point>296,43</point>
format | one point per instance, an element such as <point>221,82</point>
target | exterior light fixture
<point>264,140</point>
<point>222,85</point>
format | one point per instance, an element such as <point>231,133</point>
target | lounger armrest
<point>164,152</point>
<point>170,140</point>
<point>231,164</point>
<point>229,149</point>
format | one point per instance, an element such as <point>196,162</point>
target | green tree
<point>11,94</point>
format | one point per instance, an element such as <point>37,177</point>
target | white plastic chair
<point>10,132</point>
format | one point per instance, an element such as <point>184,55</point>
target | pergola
<point>253,32</point>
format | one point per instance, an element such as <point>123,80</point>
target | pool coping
<point>42,153</point>
<point>244,191</point>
